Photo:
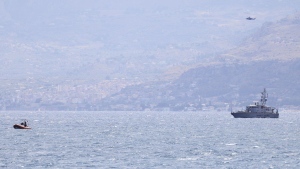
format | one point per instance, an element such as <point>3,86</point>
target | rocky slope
<point>274,41</point>
<point>268,59</point>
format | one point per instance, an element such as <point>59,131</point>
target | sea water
<point>149,140</point>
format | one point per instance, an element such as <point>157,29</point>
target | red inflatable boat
<point>23,125</point>
<point>18,126</point>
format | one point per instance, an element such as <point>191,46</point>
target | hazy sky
<point>50,34</point>
<point>54,19</point>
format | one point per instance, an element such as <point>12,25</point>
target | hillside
<point>268,59</point>
<point>106,40</point>
<point>274,41</point>
<point>143,55</point>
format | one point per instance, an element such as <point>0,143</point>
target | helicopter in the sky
<point>249,18</point>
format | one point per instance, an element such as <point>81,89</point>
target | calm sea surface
<point>149,140</point>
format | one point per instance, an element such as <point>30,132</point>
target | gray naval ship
<point>258,110</point>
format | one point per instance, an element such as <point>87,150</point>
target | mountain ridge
<point>274,41</point>
<point>230,79</point>
<point>76,55</point>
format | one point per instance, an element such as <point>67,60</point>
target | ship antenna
<point>264,96</point>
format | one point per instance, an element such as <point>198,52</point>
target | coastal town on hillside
<point>89,97</point>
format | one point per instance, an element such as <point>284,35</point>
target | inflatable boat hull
<point>18,126</point>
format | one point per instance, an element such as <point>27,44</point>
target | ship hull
<point>18,126</point>
<point>254,115</point>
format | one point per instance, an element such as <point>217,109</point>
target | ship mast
<point>264,96</point>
